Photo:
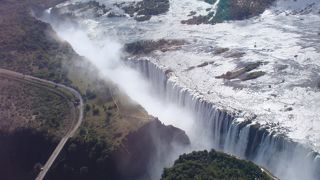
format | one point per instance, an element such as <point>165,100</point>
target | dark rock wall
<point>245,139</point>
<point>140,147</point>
<point>92,159</point>
<point>22,151</point>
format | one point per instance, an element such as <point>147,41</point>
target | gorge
<point>163,82</point>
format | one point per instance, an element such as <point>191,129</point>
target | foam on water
<point>248,119</point>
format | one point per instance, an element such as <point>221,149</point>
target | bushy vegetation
<point>86,156</point>
<point>26,104</point>
<point>50,109</point>
<point>23,151</point>
<point>33,118</point>
<point>31,47</point>
<point>204,165</point>
<point>90,95</point>
<point>27,44</point>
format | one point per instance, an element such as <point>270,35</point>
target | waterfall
<point>215,127</point>
<point>283,157</point>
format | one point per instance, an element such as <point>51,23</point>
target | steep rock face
<point>83,158</point>
<point>92,158</point>
<point>23,151</point>
<point>232,133</point>
<point>152,140</point>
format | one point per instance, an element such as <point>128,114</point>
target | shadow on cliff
<point>22,152</point>
<point>136,158</point>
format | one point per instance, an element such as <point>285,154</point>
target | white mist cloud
<point>105,55</point>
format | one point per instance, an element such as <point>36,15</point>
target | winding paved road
<point>70,133</point>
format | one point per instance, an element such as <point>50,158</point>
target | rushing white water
<point>206,123</point>
<point>281,156</point>
<point>105,56</point>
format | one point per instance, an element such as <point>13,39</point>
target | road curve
<point>70,133</point>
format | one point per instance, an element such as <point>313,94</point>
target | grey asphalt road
<point>70,133</point>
